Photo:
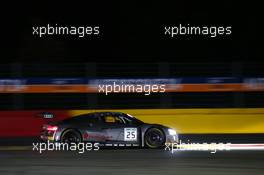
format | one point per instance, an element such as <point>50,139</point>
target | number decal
<point>130,134</point>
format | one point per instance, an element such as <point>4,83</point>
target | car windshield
<point>132,120</point>
<point>84,118</point>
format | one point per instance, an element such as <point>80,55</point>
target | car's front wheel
<point>154,138</point>
<point>71,136</point>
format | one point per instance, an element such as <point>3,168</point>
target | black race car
<point>109,129</point>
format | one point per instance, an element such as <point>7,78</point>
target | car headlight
<point>172,132</point>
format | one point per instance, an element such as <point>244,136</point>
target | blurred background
<point>15,77</point>
<point>217,82</point>
<point>210,100</point>
<point>217,92</point>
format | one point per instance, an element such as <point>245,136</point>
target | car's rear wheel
<point>154,138</point>
<point>71,136</point>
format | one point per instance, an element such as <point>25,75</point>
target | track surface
<point>132,161</point>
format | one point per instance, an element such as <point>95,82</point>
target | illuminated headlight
<point>172,132</point>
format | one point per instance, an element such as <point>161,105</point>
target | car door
<point>120,130</point>
<point>92,129</point>
<point>132,131</point>
<point>113,126</point>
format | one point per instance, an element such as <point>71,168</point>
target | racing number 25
<point>130,134</point>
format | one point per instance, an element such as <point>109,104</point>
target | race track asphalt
<point>132,161</point>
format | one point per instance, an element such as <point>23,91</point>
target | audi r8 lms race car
<point>109,129</point>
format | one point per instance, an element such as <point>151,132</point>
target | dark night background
<point>131,31</point>
<point>132,44</point>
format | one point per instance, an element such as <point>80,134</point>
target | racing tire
<point>71,136</point>
<point>154,138</point>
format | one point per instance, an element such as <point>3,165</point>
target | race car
<point>109,128</point>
